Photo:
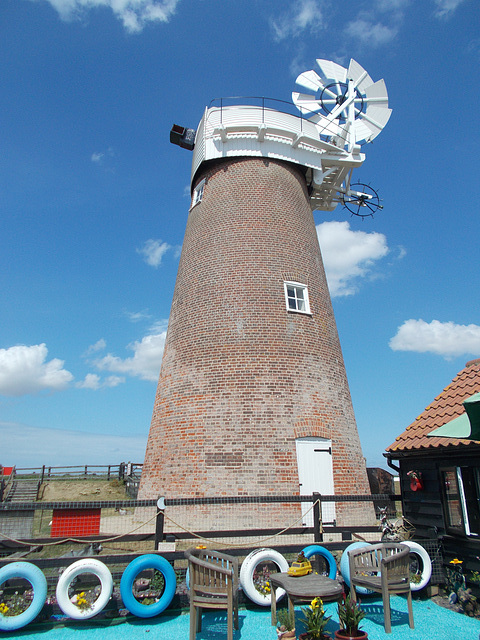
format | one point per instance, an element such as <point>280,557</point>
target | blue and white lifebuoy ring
<point>345,566</point>
<point>149,561</point>
<point>34,575</point>
<point>317,550</point>
<point>85,565</point>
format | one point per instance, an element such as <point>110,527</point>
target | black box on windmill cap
<point>183,137</point>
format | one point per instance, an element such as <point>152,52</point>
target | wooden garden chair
<point>383,568</point>
<point>213,585</point>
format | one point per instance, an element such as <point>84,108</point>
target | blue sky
<point>94,202</point>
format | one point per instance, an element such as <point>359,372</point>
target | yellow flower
<point>456,561</point>
<point>3,608</point>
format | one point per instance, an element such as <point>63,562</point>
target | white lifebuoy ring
<point>35,576</point>
<point>85,565</point>
<point>345,565</point>
<point>317,550</point>
<point>247,570</point>
<point>148,561</point>
<point>426,564</point>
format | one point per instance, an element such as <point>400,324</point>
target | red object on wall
<point>75,522</point>
<point>416,484</point>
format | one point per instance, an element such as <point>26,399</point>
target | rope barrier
<point>192,533</point>
<point>81,540</point>
<point>250,542</point>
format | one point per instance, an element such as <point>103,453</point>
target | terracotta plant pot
<point>341,634</point>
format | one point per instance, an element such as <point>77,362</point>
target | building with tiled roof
<point>439,473</point>
<point>446,406</point>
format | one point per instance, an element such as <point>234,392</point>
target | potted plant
<point>350,614</point>
<point>314,621</point>
<point>285,625</point>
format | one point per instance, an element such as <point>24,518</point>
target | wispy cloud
<point>446,8</point>
<point>134,14</point>
<point>349,255</point>
<point>99,345</point>
<point>153,252</point>
<point>304,15</point>
<point>379,24</point>
<point>146,360</point>
<point>445,339</point>
<point>137,316</point>
<point>25,370</point>
<point>93,382</point>
<point>104,160</point>
<point>370,32</point>
<point>29,446</point>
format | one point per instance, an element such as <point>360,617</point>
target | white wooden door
<point>315,473</point>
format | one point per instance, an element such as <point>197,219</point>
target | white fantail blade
<point>359,76</point>
<point>377,94</point>
<point>361,131</point>
<point>375,119</point>
<point>377,116</point>
<point>305,102</point>
<point>332,71</point>
<point>309,80</point>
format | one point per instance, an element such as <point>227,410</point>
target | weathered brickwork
<point>241,377</point>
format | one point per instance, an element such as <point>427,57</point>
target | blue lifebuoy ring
<point>345,566</point>
<point>149,561</point>
<point>317,550</point>
<point>35,576</point>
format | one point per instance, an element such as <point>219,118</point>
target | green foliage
<point>314,620</point>
<point>285,619</point>
<point>14,604</point>
<point>350,614</point>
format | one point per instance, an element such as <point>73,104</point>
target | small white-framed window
<point>198,193</point>
<point>296,297</point>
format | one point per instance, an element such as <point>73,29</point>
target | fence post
<point>159,521</point>
<point>2,489</point>
<point>317,518</point>
<point>43,474</point>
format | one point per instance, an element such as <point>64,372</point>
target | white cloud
<point>445,8</point>
<point>137,316</point>
<point>348,255</point>
<point>26,446</point>
<point>134,14</point>
<point>153,252</point>
<point>145,362</point>
<point>24,370</point>
<point>98,346</point>
<point>303,15</point>
<point>369,32</point>
<point>93,381</point>
<point>446,339</point>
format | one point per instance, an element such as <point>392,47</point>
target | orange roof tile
<point>445,407</point>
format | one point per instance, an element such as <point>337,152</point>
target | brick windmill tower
<point>253,397</point>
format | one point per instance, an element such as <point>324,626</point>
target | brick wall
<point>241,377</point>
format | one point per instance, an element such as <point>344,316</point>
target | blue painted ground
<point>432,622</point>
